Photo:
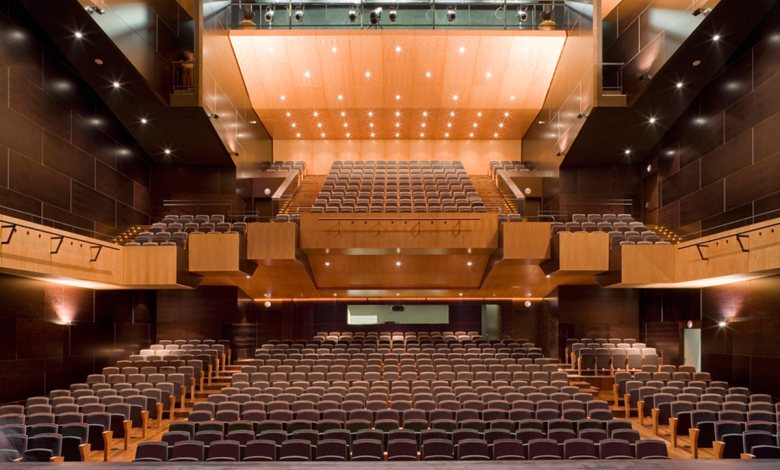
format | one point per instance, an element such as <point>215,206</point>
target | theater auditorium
<point>398,233</point>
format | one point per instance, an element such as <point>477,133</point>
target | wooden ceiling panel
<point>291,75</point>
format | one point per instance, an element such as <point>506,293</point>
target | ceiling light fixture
<point>327,263</point>
<point>452,14</point>
<point>488,74</point>
<point>449,124</point>
<point>288,114</point>
<point>397,49</point>
<point>282,97</point>
<point>627,152</point>
<point>299,15</point>
<point>306,74</point>
<point>461,49</point>
<point>144,121</point>
<point>340,97</point>
<point>116,84</point>
<point>454,97</point>
<point>452,113</point>
<point>469,263</point>
<point>343,113</point>
<point>78,35</point>
<point>167,151</point>
<point>397,97</point>
<point>397,264</point>
<point>428,74</point>
<point>367,74</point>
<point>679,85</point>
<point>716,37</point>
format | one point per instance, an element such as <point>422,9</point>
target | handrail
<point>291,182</point>
<point>59,237</point>
<point>509,189</point>
<point>738,235</point>
<point>396,219</point>
<point>11,212</point>
<point>752,218</point>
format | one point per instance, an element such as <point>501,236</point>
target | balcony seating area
<point>283,165</point>
<point>173,230</point>
<point>398,186</point>
<point>622,228</point>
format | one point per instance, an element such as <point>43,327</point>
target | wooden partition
<point>734,255</point>
<point>36,250</point>
<point>378,234</point>
<point>214,253</point>
<point>584,252</point>
<point>272,241</point>
<point>526,241</point>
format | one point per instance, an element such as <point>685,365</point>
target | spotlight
<point>522,14</point>
<point>267,304</point>
<point>393,15</point>
<point>527,304</point>
<point>375,15</point>
<point>116,84</point>
<point>722,324</point>
<point>352,15</point>
<point>452,15</point>
<point>269,15</point>
<point>78,34</point>
<point>299,15</point>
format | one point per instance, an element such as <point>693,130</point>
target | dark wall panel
<point>203,313</point>
<point>718,164</point>
<point>53,335</point>
<point>58,130</point>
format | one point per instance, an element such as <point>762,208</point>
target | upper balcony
<point>403,14</point>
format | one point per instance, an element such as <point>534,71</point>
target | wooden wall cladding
<point>64,155</point>
<point>53,335</point>
<point>590,311</point>
<point>719,163</point>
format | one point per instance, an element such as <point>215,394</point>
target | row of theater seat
<point>389,188</point>
<point>68,423</point>
<point>433,449</point>
<point>514,165</point>
<point>283,165</point>
<point>175,229</point>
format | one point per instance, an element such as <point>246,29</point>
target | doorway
<point>692,347</point>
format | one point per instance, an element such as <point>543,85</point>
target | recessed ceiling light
<point>144,121</point>
<point>327,263</point>
<point>397,124</point>
<point>398,134</point>
<point>319,124</point>
<point>501,125</point>
<point>373,135</point>
<point>696,63</point>
<point>425,113</point>
<point>479,113</point>
<point>346,125</point>
<point>471,134</point>
<point>282,97</point>
<point>371,124</point>
<point>422,134</point>
<point>651,120</point>
<point>343,113</point>
<point>167,151</point>
<point>679,85</point>
<point>306,74</point>
<point>270,50</point>
<point>322,135</point>
<point>78,35</point>
<point>116,84</point>
<point>293,125</point>
<point>348,134</point>
<point>397,113</point>
<point>99,61</point>
<point>627,152</point>
<point>288,114</point>
<point>488,74</point>
<point>474,125</point>
<point>340,97</point>
<point>449,124</point>
<point>512,98</point>
<point>397,263</point>
<point>397,294</point>
<point>315,113</point>
<point>428,74</point>
<point>469,263</point>
<point>454,97</point>
<point>540,122</point>
<point>446,134</point>
<point>495,135</point>
<point>397,49</point>
<point>461,49</point>
<point>460,294</point>
<point>548,276</point>
<point>422,125</point>
<point>506,113</point>
<point>370,114</point>
<point>367,74</point>
<point>452,113</point>
<point>335,294</point>
<point>334,49</point>
<point>397,97</point>
<point>298,135</point>
<point>716,37</point>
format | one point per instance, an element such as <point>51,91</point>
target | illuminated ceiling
<point>397,84</point>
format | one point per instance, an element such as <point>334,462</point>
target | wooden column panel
<point>214,253</point>
<point>272,241</point>
<point>526,241</point>
<point>583,251</point>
